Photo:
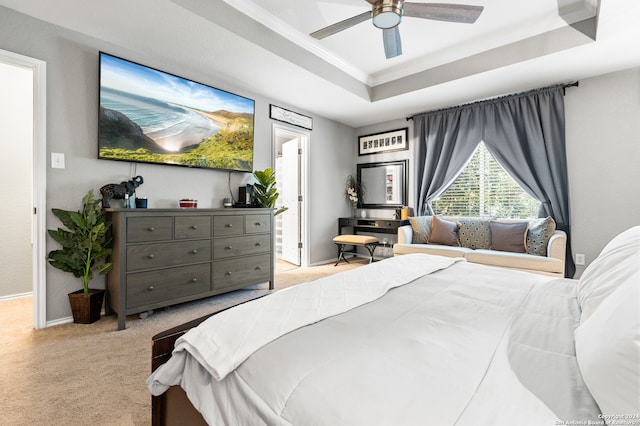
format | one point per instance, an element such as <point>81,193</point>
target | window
<point>483,188</point>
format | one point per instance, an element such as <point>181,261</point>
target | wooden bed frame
<point>173,407</point>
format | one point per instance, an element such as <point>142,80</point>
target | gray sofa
<point>549,259</point>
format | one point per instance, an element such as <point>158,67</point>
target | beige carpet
<point>77,374</point>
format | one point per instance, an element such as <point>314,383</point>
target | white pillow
<point>608,351</point>
<point>619,260</point>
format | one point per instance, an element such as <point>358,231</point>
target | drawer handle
<point>258,224</point>
<point>150,288</point>
<point>228,247</point>
<point>194,280</point>
<point>151,256</point>
<point>151,229</point>
<point>229,225</point>
<point>258,244</point>
<point>258,268</point>
<point>228,274</point>
<point>194,226</point>
<point>194,251</point>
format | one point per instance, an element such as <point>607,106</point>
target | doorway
<point>23,177</point>
<point>291,165</point>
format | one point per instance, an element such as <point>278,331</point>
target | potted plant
<point>265,190</point>
<point>85,246</point>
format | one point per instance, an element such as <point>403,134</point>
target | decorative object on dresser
<point>119,191</point>
<point>188,203</point>
<point>162,257</point>
<point>264,190</point>
<point>85,246</point>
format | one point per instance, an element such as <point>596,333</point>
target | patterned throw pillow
<point>421,227</point>
<point>540,230</point>
<point>444,232</point>
<point>509,236</point>
<point>474,232</point>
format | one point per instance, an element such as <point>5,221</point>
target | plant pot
<point>86,308</point>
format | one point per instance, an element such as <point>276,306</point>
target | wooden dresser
<point>162,257</point>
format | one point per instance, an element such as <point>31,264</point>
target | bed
<point>415,340</point>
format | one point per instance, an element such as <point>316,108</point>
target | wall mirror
<point>384,184</point>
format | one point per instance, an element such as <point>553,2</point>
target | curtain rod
<point>564,87</point>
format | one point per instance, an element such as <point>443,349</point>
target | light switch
<point>57,160</point>
<point>580,259</point>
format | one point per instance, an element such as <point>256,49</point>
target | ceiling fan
<point>387,14</point>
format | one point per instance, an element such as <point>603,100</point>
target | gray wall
<point>72,102</point>
<point>603,150</point>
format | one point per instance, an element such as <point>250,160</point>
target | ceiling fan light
<point>388,16</point>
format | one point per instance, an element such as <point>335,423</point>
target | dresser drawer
<point>239,246</point>
<point>146,288</point>
<point>257,223</point>
<point>156,228</point>
<point>149,256</point>
<point>228,225</point>
<point>246,270</point>
<point>192,227</point>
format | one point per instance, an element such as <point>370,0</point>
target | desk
<point>375,225</point>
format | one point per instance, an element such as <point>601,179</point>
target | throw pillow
<point>474,232</point>
<point>509,236</point>
<point>538,234</point>
<point>421,227</point>
<point>444,232</point>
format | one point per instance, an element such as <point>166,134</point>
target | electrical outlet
<point>57,160</point>
<point>580,259</point>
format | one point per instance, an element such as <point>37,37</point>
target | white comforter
<point>465,345</point>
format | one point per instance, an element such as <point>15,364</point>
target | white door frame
<point>283,130</point>
<point>38,231</point>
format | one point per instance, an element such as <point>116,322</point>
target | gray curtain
<point>446,141</point>
<point>526,135</point>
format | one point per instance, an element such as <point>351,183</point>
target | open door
<point>290,173</point>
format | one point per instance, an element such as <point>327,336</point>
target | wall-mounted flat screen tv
<point>151,116</point>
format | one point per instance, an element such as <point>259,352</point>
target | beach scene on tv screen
<point>150,116</point>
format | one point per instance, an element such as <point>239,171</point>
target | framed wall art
<point>290,117</point>
<point>393,140</point>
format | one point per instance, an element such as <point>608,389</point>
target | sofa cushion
<point>438,250</point>
<point>515,260</point>
<point>509,236</point>
<point>474,232</point>
<point>538,234</point>
<point>421,228</point>
<point>444,232</point>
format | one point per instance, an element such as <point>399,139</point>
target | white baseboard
<point>16,296</point>
<point>59,321</point>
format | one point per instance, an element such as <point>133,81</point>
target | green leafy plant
<point>85,243</point>
<point>265,190</point>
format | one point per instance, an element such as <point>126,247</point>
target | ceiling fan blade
<point>392,42</point>
<point>340,26</point>
<point>462,13</point>
<point>372,2</point>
